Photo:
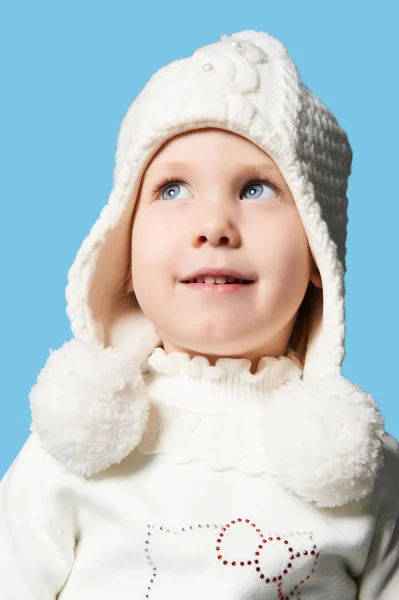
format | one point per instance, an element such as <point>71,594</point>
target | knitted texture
<point>325,158</point>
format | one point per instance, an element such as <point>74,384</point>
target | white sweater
<point>192,512</point>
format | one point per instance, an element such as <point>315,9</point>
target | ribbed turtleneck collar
<point>195,384</point>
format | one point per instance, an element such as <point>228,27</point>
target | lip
<point>203,272</point>
<point>218,289</point>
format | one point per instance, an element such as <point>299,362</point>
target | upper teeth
<point>221,279</point>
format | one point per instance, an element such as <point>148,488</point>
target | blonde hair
<point>126,280</point>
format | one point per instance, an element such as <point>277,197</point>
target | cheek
<point>151,248</point>
<point>283,245</point>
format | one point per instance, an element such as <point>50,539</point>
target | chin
<point>225,347</point>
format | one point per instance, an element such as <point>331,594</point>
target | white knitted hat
<point>245,83</point>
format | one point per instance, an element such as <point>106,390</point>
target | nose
<point>216,224</point>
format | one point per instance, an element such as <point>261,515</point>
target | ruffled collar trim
<point>182,363</point>
<point>195,384</point>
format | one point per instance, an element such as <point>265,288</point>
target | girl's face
<point>227,206</point>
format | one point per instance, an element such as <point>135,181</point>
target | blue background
<point>69,72</point>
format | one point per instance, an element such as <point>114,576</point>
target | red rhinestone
<point>260,546</point>
<point>225,562</point>
<point>261,576</point>
<point>257,530</point>
<point>249,562</point>
<point>234,563</point>
<point>233,522</point>
<point>257,553</point>
<point>290,549</point>
<point>256,561</point>
<point>313,552</point>
<point>285,541</point>
<point>267,580</point>
<point>239,520</point>
<point>253,525</point>
<point>257,569</point>
<point>289,565</point>
<point>278,538</point>
<point>305,552</point>
<point>270,538</point>
<point>247,520</point>
<point>308,577</point>
<point>285,571</point>
<point>274,579</point>
<point>220,557</point>
<point>242,563</point>
<point>217,548</point>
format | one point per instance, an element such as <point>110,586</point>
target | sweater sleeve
<point>380,577</point>
<point>36,534</point>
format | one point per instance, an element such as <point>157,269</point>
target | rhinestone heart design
<point>293,556</point>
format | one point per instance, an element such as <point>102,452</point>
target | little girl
<point>196,438</point>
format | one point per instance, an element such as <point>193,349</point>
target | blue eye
<point>171,191</point>
<point>255,189</point>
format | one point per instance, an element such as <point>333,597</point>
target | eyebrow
<point>259,168</point>
<point>268,171</point>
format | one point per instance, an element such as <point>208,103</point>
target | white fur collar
<point>324,441</point>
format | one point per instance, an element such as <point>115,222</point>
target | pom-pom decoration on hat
<point>88,406</point>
